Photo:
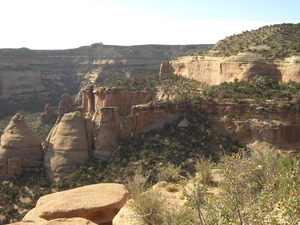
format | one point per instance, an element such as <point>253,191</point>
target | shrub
<point>172,188</point>
<point>169,173</point>
<point>204,170</point>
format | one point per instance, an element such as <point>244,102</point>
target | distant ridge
<point>275,41</point>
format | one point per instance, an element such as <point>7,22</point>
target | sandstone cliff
<point>67,145</point>
<point>279,126</point>
<point>215,70</point>
<point>95,99</point>
<point>20,147</point>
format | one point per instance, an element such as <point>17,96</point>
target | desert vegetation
<point>259,185</point>
<point>156,155</point>
<point>273,41</point>
<point>258,89</point>
<point>262,188</point>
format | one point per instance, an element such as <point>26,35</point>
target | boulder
<point>20,147</point>
<point>98,203</point>
<point>67,145</point>
<point>184,123</point>
<point>60,221</point>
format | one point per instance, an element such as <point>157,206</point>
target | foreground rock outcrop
<point>20,147</point>
<point>98,203</point>
<point>67,145</point>
<point>244,66</point>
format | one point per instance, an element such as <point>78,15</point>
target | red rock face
<point>48,114</point>
<point>94,100</point>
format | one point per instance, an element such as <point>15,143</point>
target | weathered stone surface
<point>66,104</point>
<point>48,114</point>
<point>170,201</point>
<point>98,203</point>
<point>66,146</point>
<point>17,81</point>
<point>215,70</point>
<point>60,221</point>
<point>32,216</point>
<point>108,132</point>
<point>146,117</point>
<point>20,147</point>
<point>95,99</point>
<point>14,165</point>
<point>127,216</point>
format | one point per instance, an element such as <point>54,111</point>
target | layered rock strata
<point>20,147</point>
<point>95,99</point>
<point>244,66</point>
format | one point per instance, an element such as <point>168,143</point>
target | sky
<point>65,24</point>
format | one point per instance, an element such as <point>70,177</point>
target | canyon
<point>31,78</point>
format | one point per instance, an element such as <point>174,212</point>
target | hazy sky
<point>62,24</point>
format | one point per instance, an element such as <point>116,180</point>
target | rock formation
<point>98,203</point>
<point>215,70</point>
<point>48,114</point>
<point>20,147</point>
<point>67,145</point>
<point>60,221</point>
<point>146,117</point>
<point>108,132</point>
<point>95,99</point>
<point>66,104</point>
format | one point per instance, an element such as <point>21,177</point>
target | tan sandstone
<point>66,104</point>
<point>67,145</point>
<point>48,114</point>
<point>20,147</point>
<point>109,131</point>
<point>60,221</point>
<point>215,70</point>
<point>98,203</point>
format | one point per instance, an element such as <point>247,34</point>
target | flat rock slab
<point>98,203</point>
<point>61,221</point>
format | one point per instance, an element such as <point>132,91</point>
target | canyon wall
<point>215,70</point>
<point>279,127</point>
<point>31,78</point>
<point>93,100</point>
